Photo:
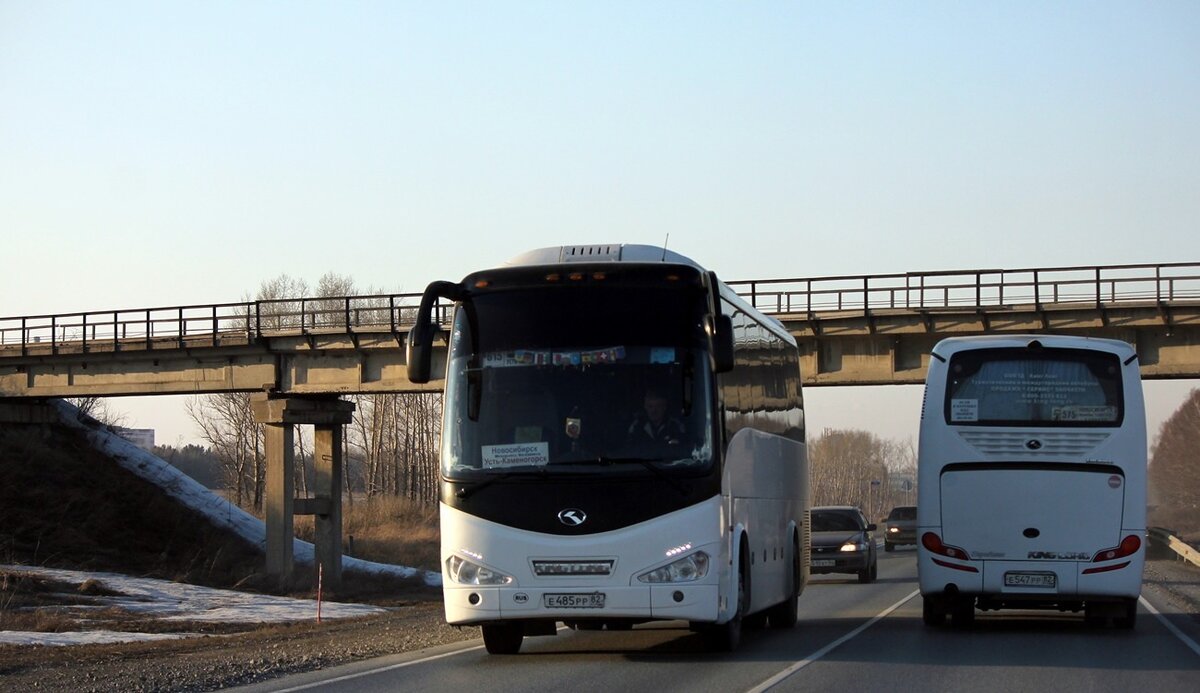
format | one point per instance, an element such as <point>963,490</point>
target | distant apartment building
<point>141,437</point>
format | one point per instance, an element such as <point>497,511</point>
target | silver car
<point>842,542</point>
<point>901,527</point>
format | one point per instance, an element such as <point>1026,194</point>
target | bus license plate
<point>822,563</point>
<point>1030,579</point>
<point>595,600</point>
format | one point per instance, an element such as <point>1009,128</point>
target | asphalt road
<point>851,637</point>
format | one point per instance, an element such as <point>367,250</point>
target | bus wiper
<point>465,492</point>
<point>648,463</point>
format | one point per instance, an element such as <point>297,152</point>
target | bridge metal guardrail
<point>207,324</point>
<point>1096,286</point>
<point>1161,537</point>
<point>227,323</point>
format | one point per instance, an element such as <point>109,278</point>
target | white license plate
<point>1030,579</point>
<point>823,563</point>
<point>593,600</point>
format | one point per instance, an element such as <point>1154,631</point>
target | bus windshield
<point>523,398</point>
<point>1045,387</point>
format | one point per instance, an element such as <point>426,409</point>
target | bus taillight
<point>1129,546</point>
<point>934,543</point>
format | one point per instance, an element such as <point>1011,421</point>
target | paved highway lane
<point>843,642</point>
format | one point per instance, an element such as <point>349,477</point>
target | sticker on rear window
<point>964,410</point>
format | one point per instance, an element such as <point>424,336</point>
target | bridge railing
<point>1095,285</point>
<point>179,326</point>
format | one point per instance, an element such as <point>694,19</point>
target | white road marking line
<point>371,672</point>
<point>765,685</point>
<point>391,667</point>
<point>1171,626</point>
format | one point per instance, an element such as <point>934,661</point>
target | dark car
<point>901,527</point>
<point>842,542</point>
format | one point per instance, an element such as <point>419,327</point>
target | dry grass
<point>386,529</point>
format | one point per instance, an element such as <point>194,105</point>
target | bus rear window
<point>1034,387</point>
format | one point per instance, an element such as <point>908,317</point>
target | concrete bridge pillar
<point>327,461</point>
<point>279,501</point>
<point>280,415</point>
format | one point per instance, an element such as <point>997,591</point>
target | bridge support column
<point>328,416</point>
<point>327,461</point>
<point>280,491</point>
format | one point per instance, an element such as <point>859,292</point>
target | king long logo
<point>572,517</point>
<point>1062,556</point>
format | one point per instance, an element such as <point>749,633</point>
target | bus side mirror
<point>419,352</point>
<point>722,344</point>
<point>419,346</point>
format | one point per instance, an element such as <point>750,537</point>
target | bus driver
<point>652,425</point>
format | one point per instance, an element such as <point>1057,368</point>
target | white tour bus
<point>622,441</point>
<point>1032,471</point>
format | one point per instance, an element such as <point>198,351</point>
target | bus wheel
<point>1129,619</point>
<point>503,638</point>
<point>962,613</point>
<point>931,611</point>
<point>1091,618</point>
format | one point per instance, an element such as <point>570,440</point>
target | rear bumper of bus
<point>1029,582</point>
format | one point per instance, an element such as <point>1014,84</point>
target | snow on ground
<point>221,512</point>
<point>174,601</point>
<point>85,637</point>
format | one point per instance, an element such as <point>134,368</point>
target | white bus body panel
<point>634,550</point>
<point>1076,513</point>
<point>766,478</point>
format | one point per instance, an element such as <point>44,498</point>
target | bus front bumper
<point>466,604</point>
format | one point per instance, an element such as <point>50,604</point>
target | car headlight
<point>854,546</point>
<point>466,572</point>
<point>690,568</point>
<point>893,529</point>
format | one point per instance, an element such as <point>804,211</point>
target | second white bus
<point>1032,473</point>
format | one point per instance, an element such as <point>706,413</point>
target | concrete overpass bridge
<point>300,355</point>
<point>852,330</point>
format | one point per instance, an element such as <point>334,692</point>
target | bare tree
<point>97,408</point>
<point>1174,475</point>
<point>850,467</point>
<point>227,424</point>
<point>396,437</point>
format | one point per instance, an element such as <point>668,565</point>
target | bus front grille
<point>572,567</point>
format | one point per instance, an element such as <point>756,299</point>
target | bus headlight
<point>466,572</point>
<point>690,568</point>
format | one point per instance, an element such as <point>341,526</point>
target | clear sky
<point>164,153</point>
